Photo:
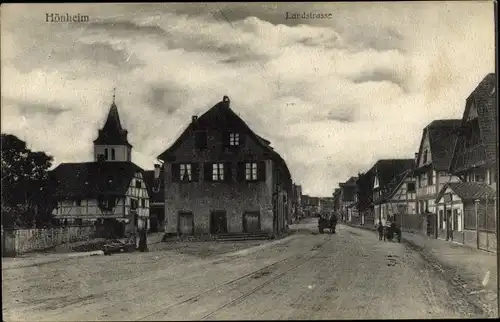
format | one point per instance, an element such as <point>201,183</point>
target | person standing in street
<point>380,229</point>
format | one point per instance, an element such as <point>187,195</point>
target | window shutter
<point>242,139</point>
<point>176,172</point>
<point>225,138</point>
<point>228,171</point>
<point>261,170</point>
<point>207,172</point>
<point>195,171</point>
<point>240,172</point>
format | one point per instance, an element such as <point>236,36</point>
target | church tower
<point>111,144</point>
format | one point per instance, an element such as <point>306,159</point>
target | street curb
<point>445,271</point>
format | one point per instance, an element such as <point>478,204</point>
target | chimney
<point>194,118</point>
<point>225,99</point>
<point>157,171</point>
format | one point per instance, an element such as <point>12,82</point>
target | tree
<point>26,188</point>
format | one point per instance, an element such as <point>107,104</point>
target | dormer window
<point>234,139</point>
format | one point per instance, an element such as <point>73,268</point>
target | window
<point>201,139</point>
<point>251,171</point>
<point>425,157</point>
<point>234,139</point>
<point>440,219</point>
<point>143,203</point>
<point>78,202</point>
<point>430,178</point>
<point>410,187</point>
<point>112,154</point>
<point>106,156</point>
<point>218,172</point>
<point>185,172</point>
<point>138,183</point>
<point>134,204</point>
<point>107,203</point>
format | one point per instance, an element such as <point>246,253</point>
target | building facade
<point>431,170</point>
<point>467,209</point>
<point>220,177</point>
<point>347,198</point>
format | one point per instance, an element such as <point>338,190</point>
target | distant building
<point>222,177</point>
<point>467,209</point>
<point>347,198</point>
<point>109,192</point>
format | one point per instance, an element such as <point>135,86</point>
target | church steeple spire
<point>112,136</point>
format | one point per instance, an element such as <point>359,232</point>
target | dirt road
<point>310,276</point>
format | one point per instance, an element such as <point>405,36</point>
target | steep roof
<point>484,97</point>
<point>221,116</point>
<point>112,133</point>
<point>468,190</point>
<point>92,179</point>
<point>394,186</point>
<point>442,137</point>
<point>388,169</point>
<point>154,196</point>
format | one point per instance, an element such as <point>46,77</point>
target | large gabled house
<point>467,209</point>
<point>109,192</point>
<point>221,177</point>
<point>431,169</point>
<point>384,173</point>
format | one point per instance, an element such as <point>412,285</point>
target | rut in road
<point>245,280</point>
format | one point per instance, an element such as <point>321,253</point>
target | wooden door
<point>218,222</point>
<point>186,223</point>
<point>449,231</point>
<point>251,222</point>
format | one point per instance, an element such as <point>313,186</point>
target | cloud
<point>332,96</point>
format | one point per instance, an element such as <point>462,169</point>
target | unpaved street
<point>307,276</point>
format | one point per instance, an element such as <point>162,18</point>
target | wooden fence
<point>20,241</point>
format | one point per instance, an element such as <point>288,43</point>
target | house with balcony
<point>221,177</point>
<point>110,192</point>
<point>431,169</point>
<point>385,173</point>
<point>467,208</point>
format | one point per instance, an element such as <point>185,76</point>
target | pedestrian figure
<point>380,229</point>
<point>143,244</point>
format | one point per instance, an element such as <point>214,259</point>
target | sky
<point>332,95</point>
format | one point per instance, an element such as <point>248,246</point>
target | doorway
<point>449,231</point>
<point>218,222</point>
<point>251,222</point>
<point>186,223</point>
